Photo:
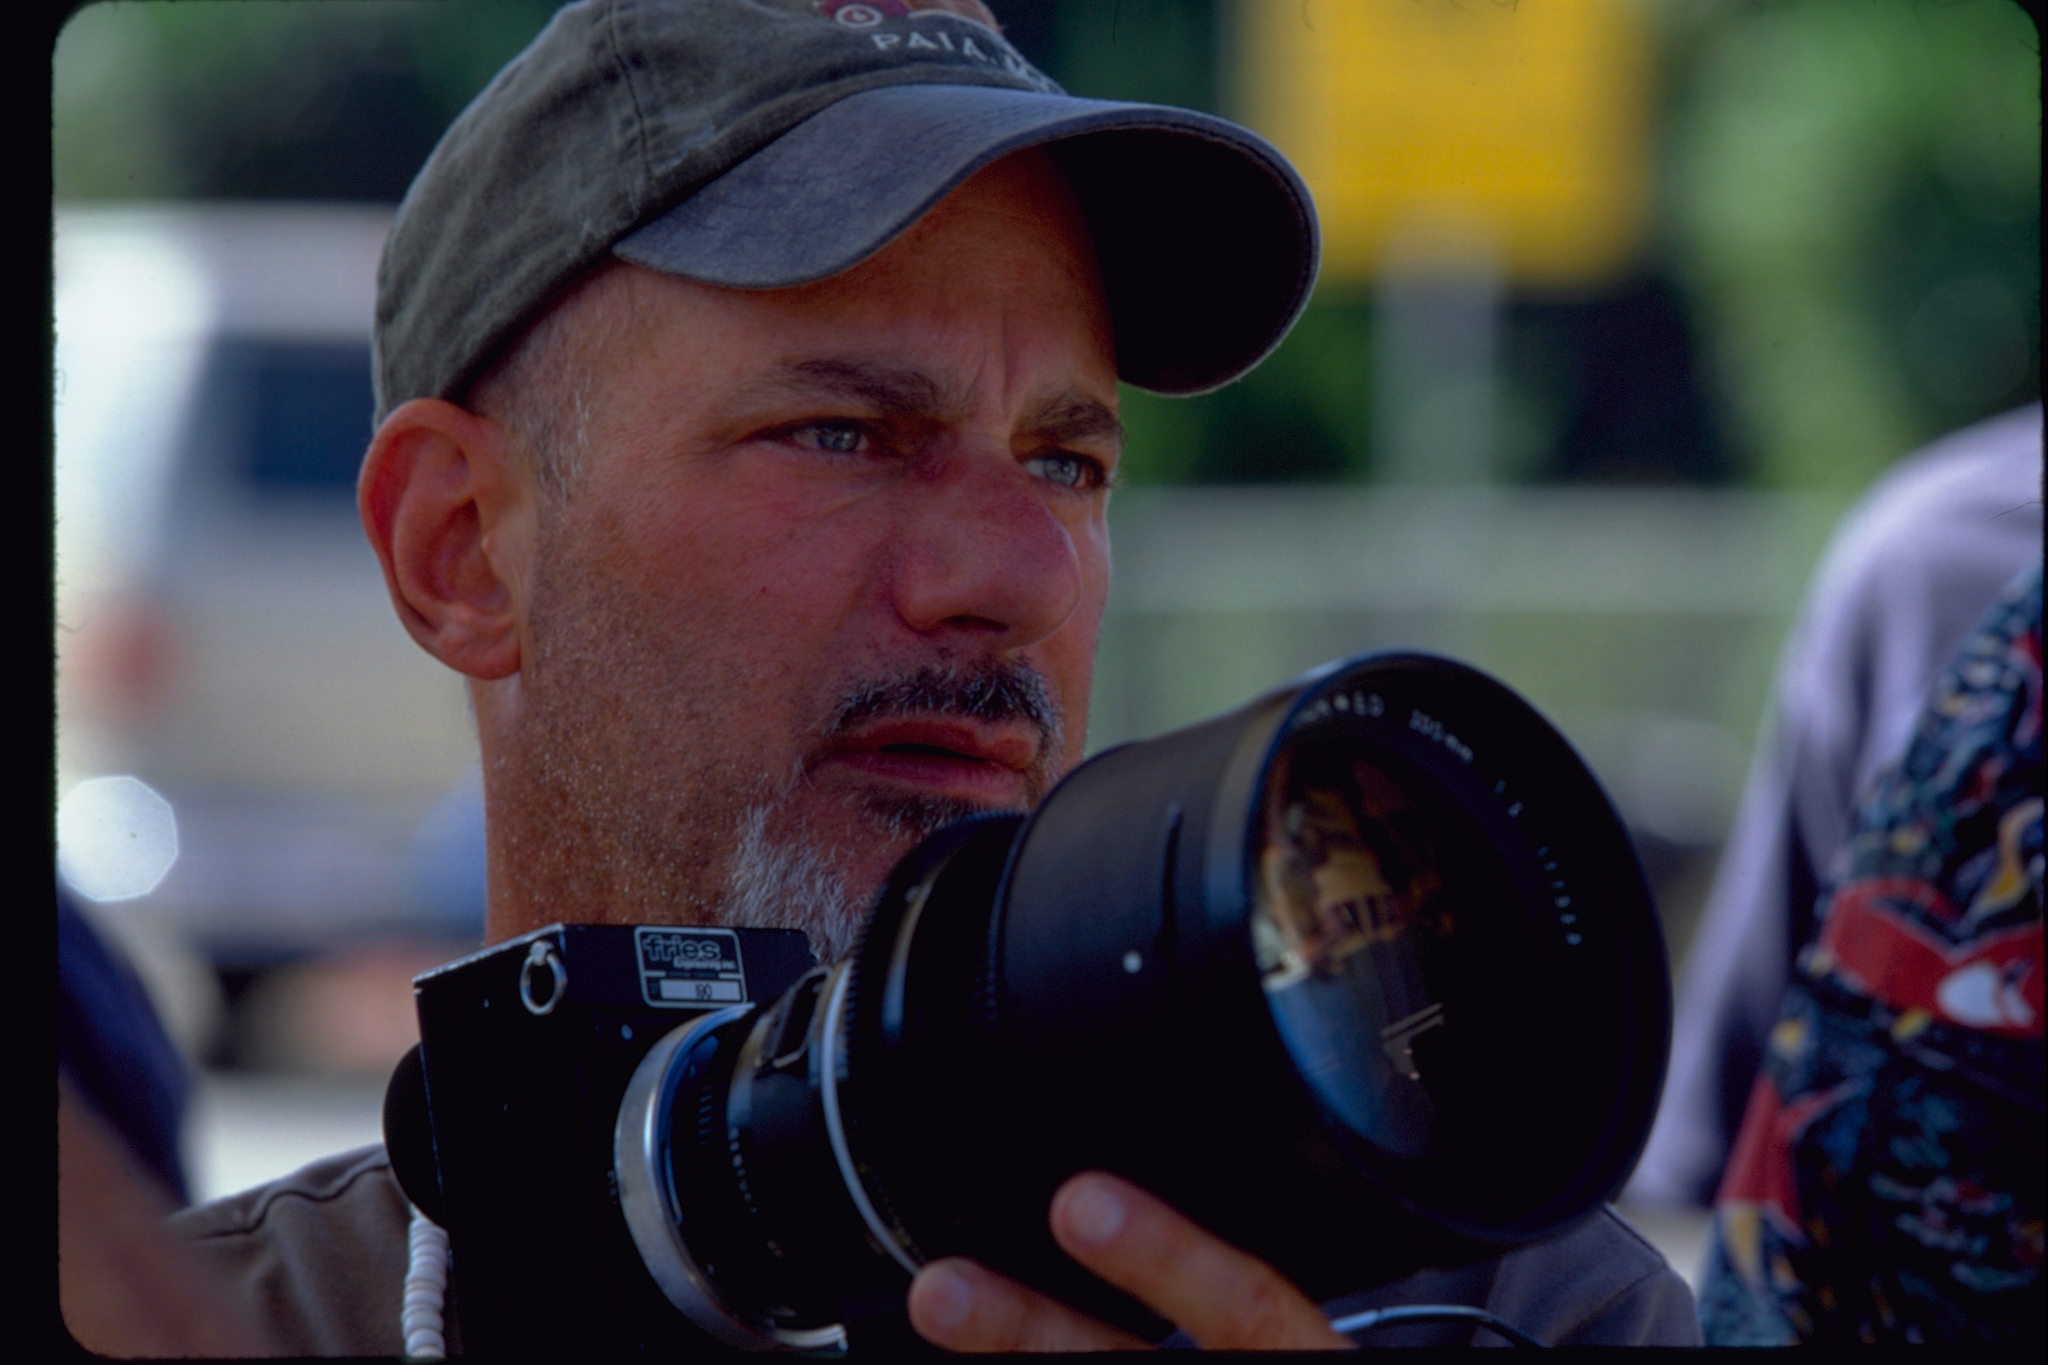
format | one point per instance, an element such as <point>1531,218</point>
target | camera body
<point>500,1125</point>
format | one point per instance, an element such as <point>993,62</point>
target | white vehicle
<point>224,633</point>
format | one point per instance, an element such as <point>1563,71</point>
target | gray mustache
<point>994,692</point>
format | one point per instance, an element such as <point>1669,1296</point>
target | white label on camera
<point>684,967</point>
<point>721,991</point>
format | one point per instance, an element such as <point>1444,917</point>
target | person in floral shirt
<point>1887,1182</point>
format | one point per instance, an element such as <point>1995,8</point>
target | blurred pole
<point>1436,355</point>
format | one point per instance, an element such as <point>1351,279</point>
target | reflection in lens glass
<point>1347,910</point>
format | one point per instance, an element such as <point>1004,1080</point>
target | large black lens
<point>1363,977</point>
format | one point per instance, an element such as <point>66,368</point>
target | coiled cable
<point>421,1321</point>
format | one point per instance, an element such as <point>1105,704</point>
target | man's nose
<point>984,553</point>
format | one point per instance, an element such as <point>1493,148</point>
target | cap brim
<point>1205,237</point>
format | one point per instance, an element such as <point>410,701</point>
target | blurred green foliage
<point>1156,51</point>
<point>1845,262</point>
<point>232,99</point>
<point>1853,203</point>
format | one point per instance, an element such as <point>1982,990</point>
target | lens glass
<point>1388,943</point>
<point>1348,912</point>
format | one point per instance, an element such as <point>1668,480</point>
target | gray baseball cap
<point>767,143</point>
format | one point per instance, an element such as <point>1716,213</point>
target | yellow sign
<point>1510,129</point>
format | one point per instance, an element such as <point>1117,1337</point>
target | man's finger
<point>1215,1293</point>
<point>962,1306</point>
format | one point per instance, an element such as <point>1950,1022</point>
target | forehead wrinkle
<point>896,391</point>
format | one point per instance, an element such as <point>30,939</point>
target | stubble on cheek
<point>630,781</point>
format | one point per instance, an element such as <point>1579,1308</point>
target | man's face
<point>831,574</point>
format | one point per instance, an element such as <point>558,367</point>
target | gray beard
<point>789,884</point>
<point>771,885</point>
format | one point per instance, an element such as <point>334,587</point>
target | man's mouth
<point>979,762</point>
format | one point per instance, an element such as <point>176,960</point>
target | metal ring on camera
<point>835,1130</point>
<point>639,1148</point>
<point>542,953</point>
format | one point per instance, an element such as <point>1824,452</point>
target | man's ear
<point>450,514</point>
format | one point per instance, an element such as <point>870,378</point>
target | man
<point>747,415</point>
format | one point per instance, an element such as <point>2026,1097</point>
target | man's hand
<point>1215,1293</point>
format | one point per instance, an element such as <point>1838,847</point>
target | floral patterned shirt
<point>1887,1183</point>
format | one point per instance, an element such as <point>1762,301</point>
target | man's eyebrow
<point>1074,416</point>
<point>890,389</point>
<point>900,392</point>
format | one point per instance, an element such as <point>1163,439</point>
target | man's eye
<point>1068,471</point>
<point>837,438</point>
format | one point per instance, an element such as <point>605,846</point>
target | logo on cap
<point>857,13</point>
<point>868,13</point>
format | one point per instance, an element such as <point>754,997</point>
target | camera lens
<point>1363,977</point>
